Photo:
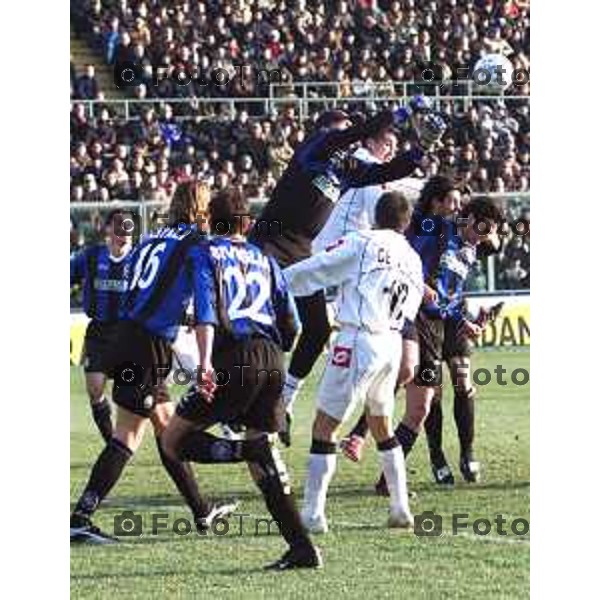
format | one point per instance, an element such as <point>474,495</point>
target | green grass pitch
<point>362,557</point>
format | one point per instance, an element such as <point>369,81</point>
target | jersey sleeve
<point>367,173</point>
<point>203,285</point>
<point>339,139</point>
<point>78,263</point>
<point>286,314</point>
<point>329,267</point>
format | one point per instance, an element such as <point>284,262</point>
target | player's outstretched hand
<point>430,130</point>
<point>470,330</point>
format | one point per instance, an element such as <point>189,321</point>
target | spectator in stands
<point>91,191</point>
<point>514,276</point>
<point>86,85</point>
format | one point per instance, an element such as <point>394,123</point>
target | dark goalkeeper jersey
<point>321,169</point>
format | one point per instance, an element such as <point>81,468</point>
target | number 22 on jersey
<point>249,293</point>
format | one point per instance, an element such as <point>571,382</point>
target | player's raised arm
<point>337,139</point>
<point>330,267</point>
<point>205,312</point>
<point>430,130</point>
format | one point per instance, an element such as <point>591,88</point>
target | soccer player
<point>165,274</point>
<point>456,352</point>
<point>245,319</point>
<point>381,283</point>
<point>448,254</point>
<point>101,269</point>
<point>439,199</point>
<point>320,170</point>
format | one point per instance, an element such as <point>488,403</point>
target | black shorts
<point>454,345</point>
<point>139,361</point>
<point>100,339</point>
<point>250,376</point>
<point>431,341</point>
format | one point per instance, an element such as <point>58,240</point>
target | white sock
<point>321,468</point>
<point>394,470</point>
<point>291,388</point>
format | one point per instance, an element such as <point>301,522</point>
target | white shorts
<point>362,369</point>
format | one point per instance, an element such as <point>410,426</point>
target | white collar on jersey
<point>363,153</point>
<point>118,259</point>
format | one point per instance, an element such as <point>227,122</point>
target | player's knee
<point>129,439</point>
<point>461,374</point>
<point>324,427</point>
<point>160,417</point>
<point>416,413</point>
<point>380,427</point>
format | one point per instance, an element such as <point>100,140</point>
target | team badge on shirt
<point>341,357</point>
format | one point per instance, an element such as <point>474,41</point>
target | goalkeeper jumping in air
<point>321,169</point>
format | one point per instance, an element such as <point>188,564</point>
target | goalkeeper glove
<point>430,130</point>
<point>417,104</point>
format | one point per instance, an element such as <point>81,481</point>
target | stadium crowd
<point>352,42</point>
<point>145,157</point>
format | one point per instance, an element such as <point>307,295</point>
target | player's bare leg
<point>185,439</point>
<point>352,446</point>
<point>181,473</point>
<point>95,383</point>
<point>392,462</point>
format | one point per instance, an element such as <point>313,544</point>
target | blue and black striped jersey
<point>245,294</point>
<point>104,279</point>
<point>447,260</point>
<point>165,274</point>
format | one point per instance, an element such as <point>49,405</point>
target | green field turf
<point>362,557</point>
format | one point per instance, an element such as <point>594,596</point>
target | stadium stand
<point>354,53</point>
<point>353,43</point>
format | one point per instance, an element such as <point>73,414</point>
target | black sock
<point>202,447</point>
<point>101,413</point>
<point>433,429</point>
<point>183,477</point>
<point>361,427</point>
<point>275,488</point>
<point>407,438</point>
<point>105,473</point>
<point>464,416</point>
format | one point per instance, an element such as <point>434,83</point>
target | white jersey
<point>355,210</point>
<point>379,274</point>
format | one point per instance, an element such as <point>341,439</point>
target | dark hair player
<point>102,271</point>
<point>321,169</point>
<point>245,319</point>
